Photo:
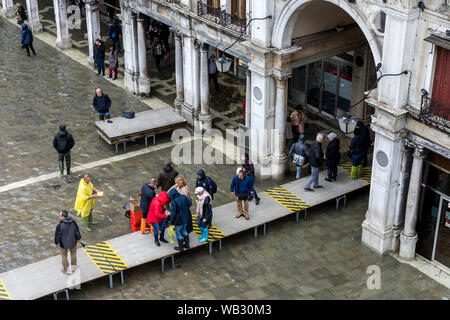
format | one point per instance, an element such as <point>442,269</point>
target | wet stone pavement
<point>321,258</point>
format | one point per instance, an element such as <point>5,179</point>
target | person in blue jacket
<point>27,39</point>
<point>241,186</point>
<point>180,217</point>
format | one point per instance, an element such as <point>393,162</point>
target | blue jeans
<point>100,64</point>
<point>159,227</point>
<point>314,177</point>
<point>181,231</point>
<point>332,172</point>
<point>357,159</point>
<point>299,172</point>
<point>103,114</point>
<point>64,154</point>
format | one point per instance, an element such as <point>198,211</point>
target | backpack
<point>212,185</point>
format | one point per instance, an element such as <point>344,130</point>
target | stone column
<point>248,99</point>
<point>144,80</point>
<point>196,84</point>
<point>205,114</point>
<point>188,83</point>
<point>130,53</point>
<point>33,15</point>
<point>408,237</point>
<point>8,8</point>
<point>279,155</point>
<point>63,40</point>
<point>93,26</point>
<point>179,72</point>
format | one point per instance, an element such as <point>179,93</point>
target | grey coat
<point>114,59</point>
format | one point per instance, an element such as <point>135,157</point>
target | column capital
<point>248,73</point>
<point>140,17</point>
<point>178,35</point>
<point>281,82</point>
<point>197,44</point>
<point>204,47</point>
<point>419,152</point>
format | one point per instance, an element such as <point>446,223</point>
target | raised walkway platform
<point>112,257</point>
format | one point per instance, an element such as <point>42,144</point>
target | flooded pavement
<point>321,258</point>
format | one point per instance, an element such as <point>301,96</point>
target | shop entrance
<point>433,225</point>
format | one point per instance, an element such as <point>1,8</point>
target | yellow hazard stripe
<point>4,294</point>
<point>287,199</point>
<point>213,233</point>
<point>366,174</point>
<point>105,258</point>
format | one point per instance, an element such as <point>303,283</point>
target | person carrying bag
<point>299,154</point>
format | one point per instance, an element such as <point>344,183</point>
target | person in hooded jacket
<point>67,235</point>
<point>63,142</point>
<point>157,215</point>
<point>203,212</point>
<point>166,178</point>
<point>114,33</point>
<point>180,217</point>
<point>27,39</point>
<point>332,157</point>
<point>101,104</point>
<point>356,152</point>
<point>300,148</point>
<point>21,14</point>
<point>206,183</point>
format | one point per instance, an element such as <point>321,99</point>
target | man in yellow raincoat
<point>84,203</point>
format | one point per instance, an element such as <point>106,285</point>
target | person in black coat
<point>67,235</point>
<point>101,104</point>
<point>63,142</point>
<point>315,161</point>
<point>206,183</point>
<point>99,56</point>
<point>365,140</point>
<point>27,39</point>
<point>180,217</point>
<point>21,14</point>
<point>332,157</point>
<point>147,195</point>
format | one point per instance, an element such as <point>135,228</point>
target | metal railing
<point>221,17</point>
<point>173,1</point>
<point>435,113</point>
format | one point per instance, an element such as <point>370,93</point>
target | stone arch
<point>285,22</point>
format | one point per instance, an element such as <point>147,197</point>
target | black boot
<point>108,117</point>
<point>156,241</point>
<point>161,238</point>
<point>110,75</point>
<point>101,118</point>
<point>115,77</point>
<point>329,179</point>
<point>180,245</point>
<point>68,164</point>
<point>103,72</point>
<point>186,242</point>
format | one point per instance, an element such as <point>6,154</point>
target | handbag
<point>128,114</point>
<point>171,234</point>
<point>298,159</point>
<point>241,195</point>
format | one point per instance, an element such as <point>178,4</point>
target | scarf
<point>202,194</point>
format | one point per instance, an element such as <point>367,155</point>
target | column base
<point>64,44</point>
<point>91,61</point>
<point>263,166</point>
<point>396,231</point>
<point>36,27</point>
<point>144,86</point>
<point>186,112</point>
<point>205,121</point>
<point>376,238</point>
<point>278,166</point>
<point>9,12</point>
<point>178,104</point>
<point>407,247</point>
<point>130,82</point>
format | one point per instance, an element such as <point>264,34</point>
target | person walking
<point>332,157</point>
<point>67,235</point>
<point>113,61</point>
<point>157,53</point>
<point>63,142</point>
<point>249,170</point>
<point>298,121</point>
<point>213,71</point>
<point>99,56</point>
<point>84,202</point>
<point>147,195</point>
<point>27,39</point>
<point>101,104</point>
<point>206,183</point>
<point>203,212</point>
<point>181,186</point>
<point>21,14</point>
<point>241,187</point>
<point>356,152</point>
<point>365,140</point>
<point>180,217</point>
<point>315,161</point>
<point>299,154</point>
<point>157,216</point>
<point>166,178</point>
<point>114,33</point>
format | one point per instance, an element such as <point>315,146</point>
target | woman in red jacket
<point>157,215</point>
